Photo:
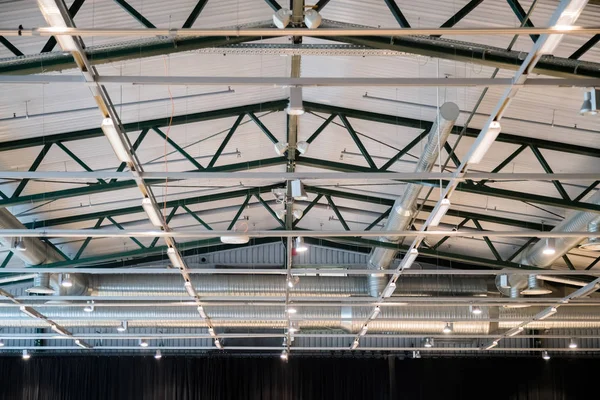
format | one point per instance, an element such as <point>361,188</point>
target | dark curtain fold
<point>191,378</point>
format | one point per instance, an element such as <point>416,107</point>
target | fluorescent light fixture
<point>292,329</point>
<point>81,344</point>
<point>174,258</point>
<point>549,247</point>
<point>280,214</point>
<point>515,331</point>
<point>376,312</point>
<point>586,291</point>
<point>66,280</point>
<point>190,288</point>
<point>389,291</point>
<point>295,106</point>
<point>281,148</point>
<point>428,343</point>
<point>545,355</point>
<point>284,355</point>
<point>410,259</point>
<point>115,140</point>
<point>312,19</point>
<point>158,355</point>
<point>123,326</point>
<point>290,283</point>
<point>54,18</point>
<point>302,147</point>
<point>492,345</point>
<point>58,330</point>
<point>26,355</point>
<point>21,246</point>
<point>546,313</point>
<point>211,331</point>
<point>354,344</point>
<point>281,18</point>
<point>1,343</point>
<point>448,328</point>
<point>238,239</point>
<point>439,214</point>
<point>218,344</point>
<point>152,213</point>
<point>564,21</point>
<point>30,312</point>
<point>89,307</point>
<point>143,343</point>
<point>300,246</point>
<point>297,190</point>
<point>202,312</point>
<point>488,138</point>
<point>296,213</point>
<point>573,344</point>
<point>364,330</point>
<point>291,310</point>
<point>475,310</point>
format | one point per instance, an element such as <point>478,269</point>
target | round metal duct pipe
<point>404,207</point>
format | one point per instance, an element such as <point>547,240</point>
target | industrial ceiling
<point>282,178</point>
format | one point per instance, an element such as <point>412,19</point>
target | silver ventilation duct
<point>269,285</point>
<point>404,207</point>
<point>576,222</point>
<point>408,319</point>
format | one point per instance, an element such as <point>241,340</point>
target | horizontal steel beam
<point>96,233</point>
<point>283,176</point>
<point>274,32</point>
<point>298,82</point>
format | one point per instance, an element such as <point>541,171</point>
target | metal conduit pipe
<point>391,319</point>
<point>404,207</point>
<point>268,285</point>
<point>576,222</point>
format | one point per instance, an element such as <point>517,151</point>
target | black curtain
<point>191,378</point>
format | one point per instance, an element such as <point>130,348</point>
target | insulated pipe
<point>576,222</point>
<point>404,207</point>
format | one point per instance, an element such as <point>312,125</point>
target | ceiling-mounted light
<point>485,144</point>
<point>441,211</point>
<point>591,102</point>
<point>281,18</point>
<point>295,106</point>
<point>66,280</point>
<point>218,344</point>
<point>89,307</point>
<point>284,355</point>
<point>143,343</point>
<point>189,288</point>
<point>1,343</point>
<point>296,190</point>
<point>174,258</point>
<point>363,330</point>
<point>573,344</point>
<point>448,328</point>
<point>280,214</point>
<point>515,331</point>
<point>202,312</point>
<point>281,148</point>
<point>291,310</point>
<point>565,21</point>
<point>354,344</point>
<point>389,290</point>
<point>545,355</point>
<point>549,247</point>
<point>300,246</point>
<point>302,147</point>
<point>30,312</point>
<point>81,344</point>
<point>475,310</point>
<point>26,355</point>
<point>428,342</point>
<point>211,332</point>
<point>21,246</point>
<point>546,313</point>
<point>152,213</point>
<point>410,259</point>
<point>158,355</point>
<point>59,330</point>
<point>297,213</point>
<point>312,19</point>
<point>492,345</point>
<point>291,281</point>
<point>108,127</point>
<point>376,312</point>
<point>123,326</point>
